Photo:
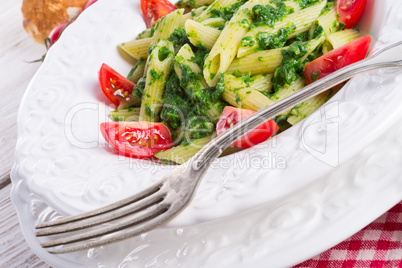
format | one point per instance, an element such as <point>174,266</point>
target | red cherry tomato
<point>337,59</point>
<point>116,87</point>
<point>231,116</point>
<point>137,139</point>
<point>350,11</point>
<point>89,3</point>
<point>56,32</point>
<point>153,10</point>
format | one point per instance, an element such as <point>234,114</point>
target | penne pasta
<point>326,21</point>
<point>224,50</point>
<point>341,38</point>
<point>199,34</point>
<point>266,61</point>
<point>193,3</point>
<point>312,45</point>
<point>137,48</point>
<point>288,89</point>
<point>195,88</point>
<point>182,153</point>
<point>262,83</point>
<point>257,63</point>
<point>138,71</point>
<point>191,15</point>
<point>216,5</point>
<point>131,114</point>
<point>291,5</point>
<point>302,22</point>
<point>159,66</point>
<point>240,95</point>
<point>214,22</point>
<point>149,32</point>
<point>184,56</point>
<point>326,47</point>
<point>307,107</point>
<point>165,26</point>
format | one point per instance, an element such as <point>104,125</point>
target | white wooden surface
<point>14,250</point>
<point>16,49</point>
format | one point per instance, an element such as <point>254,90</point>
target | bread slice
<point>41,16</point>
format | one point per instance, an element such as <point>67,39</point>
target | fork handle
<point>388,57</point>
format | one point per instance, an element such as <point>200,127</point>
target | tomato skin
<point>137,139</point>
<point>231,116</point>
<point>56,32</point>
<point>153,10</point>
<point>88,4</point>
<point>116,87</point>
<point>350,11</point>
<point>337,58</point>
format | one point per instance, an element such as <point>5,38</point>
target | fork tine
<point>131,199</point>
<point>132,220</point>
<point>139,229</point>
<point>106,217</point>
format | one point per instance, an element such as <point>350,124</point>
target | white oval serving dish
<point>278,203</point>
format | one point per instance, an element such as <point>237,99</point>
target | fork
<point>167,197</point>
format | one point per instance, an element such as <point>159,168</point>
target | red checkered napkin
<point>377,245</point>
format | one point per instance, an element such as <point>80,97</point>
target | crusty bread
<point>41,16</point>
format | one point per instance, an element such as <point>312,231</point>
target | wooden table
<point>16,49</point>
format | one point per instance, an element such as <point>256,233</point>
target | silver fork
<point>164,199</point>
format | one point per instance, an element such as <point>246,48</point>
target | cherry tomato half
<point>337,59</point>
<point>137,139</point>
<point>231,116</point>
<point>153,10</point>
<point>350,11</point>
<point>116,87</point>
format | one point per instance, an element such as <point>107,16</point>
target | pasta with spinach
<point>247,54</point>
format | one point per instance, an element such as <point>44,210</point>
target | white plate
<point>279,204</point>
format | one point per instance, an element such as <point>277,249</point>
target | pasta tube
<point>224,50</point>
<point>199,34</point>
<point>307,107</point>
<point>195,88</point>
<point>138,71</point>
<point>216,5</point>
<point>149,32</point>
<point>326,21</point>
<point>194,3</point>
<point>262,83</point>
<point>341,38</point>
<point>266,61</point>
<point>182,153</point>
<point>288,89</point>
<point>131,114</point>
<point>192,14</point>
<point>257,63</point>
<point>159,66</point>
<point>302,20</point>
<point>137,48</point>
<point>165,26</point>
<point>240,95</point>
